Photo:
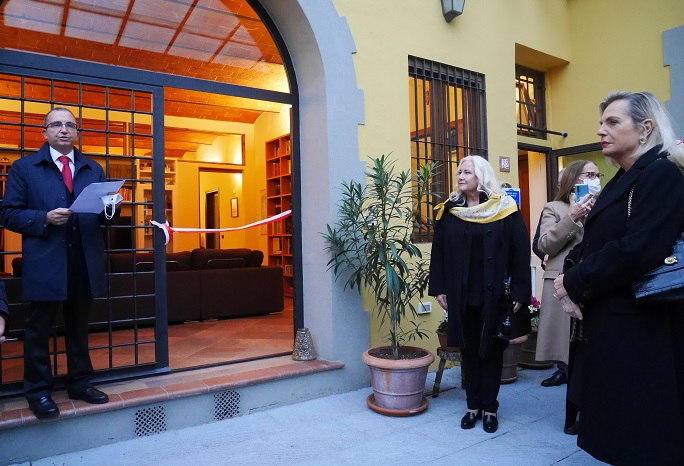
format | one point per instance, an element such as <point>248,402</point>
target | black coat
<point>506,251</point>
<point>628,371</point>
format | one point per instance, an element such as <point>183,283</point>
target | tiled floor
<point>227,353</point>
<point>193,344</point>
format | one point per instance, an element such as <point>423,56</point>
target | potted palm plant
<point>372,246</point>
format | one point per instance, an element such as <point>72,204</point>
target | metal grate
<point>150,421</point>
<point>530,102</point>
<point>226,405</point>
<point>448,122</point>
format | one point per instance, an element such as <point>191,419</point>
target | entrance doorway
<point>212,218</point>
<point>182,98</point>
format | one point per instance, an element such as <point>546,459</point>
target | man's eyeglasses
<point>58,125</point>
<point>592,175</point>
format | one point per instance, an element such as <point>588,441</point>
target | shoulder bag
<point>665,283</point>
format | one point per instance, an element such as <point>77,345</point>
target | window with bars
<point>448,122</point>
<point>530,102</point>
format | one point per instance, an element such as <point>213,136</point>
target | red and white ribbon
<point>168,229</point>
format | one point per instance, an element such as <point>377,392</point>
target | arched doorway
<point>158,94</point>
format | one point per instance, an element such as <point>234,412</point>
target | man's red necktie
<point>66,173</point>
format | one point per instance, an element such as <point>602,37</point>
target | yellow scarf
<point>495,208</point>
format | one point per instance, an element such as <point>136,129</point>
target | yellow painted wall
<point>587,48</point>
<point>482,39</point>
<point>616,44</point>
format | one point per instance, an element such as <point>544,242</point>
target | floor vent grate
<point>226,405</point>
<point>150,421</point>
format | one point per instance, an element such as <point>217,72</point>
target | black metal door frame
<point>161,363</point>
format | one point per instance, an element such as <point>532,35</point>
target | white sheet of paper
<point>89,202</point>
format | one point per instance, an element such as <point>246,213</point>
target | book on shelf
<point>288,146</point>
<point>277,245</point>
<point>287,269</point>
<point>276,168</point>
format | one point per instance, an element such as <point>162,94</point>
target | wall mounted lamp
<point>452,9</point>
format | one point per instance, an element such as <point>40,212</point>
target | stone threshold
<point>14,412</point>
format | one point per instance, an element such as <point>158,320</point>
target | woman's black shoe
<point>490,423</point>
<point>573,429</point>
<point>558,378</point>
<point>470,419</point>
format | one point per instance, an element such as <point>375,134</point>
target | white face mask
<point>110,202</point>
<point>594,186</point>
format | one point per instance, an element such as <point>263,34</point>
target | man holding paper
<point>63,258</point>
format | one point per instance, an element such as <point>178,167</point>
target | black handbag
<point>513,324</point>
<point>665,283</point>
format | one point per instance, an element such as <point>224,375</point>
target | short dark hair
<point>61,109</point>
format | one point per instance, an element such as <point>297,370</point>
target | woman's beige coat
<point>558,234</point>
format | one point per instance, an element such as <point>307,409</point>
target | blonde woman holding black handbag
<point>628,365</point>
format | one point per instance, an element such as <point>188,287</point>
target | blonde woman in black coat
<point>628,369</point>
<point>480,239</point>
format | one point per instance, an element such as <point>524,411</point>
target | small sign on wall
<point>504,164</point>
<point>514,193</point>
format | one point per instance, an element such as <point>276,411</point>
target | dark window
<point>530,102</point>
<point>448,122</point>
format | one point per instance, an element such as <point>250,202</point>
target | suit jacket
<point>35,187</point>
<point>558,235</point>
<point>621,335</point>
<point>506,253</point>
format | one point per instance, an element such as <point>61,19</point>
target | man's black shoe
<point>558,378</point>
<point>44,407</point>
<point>90,395</point>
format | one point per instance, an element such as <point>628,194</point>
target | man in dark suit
<point>63,258</point>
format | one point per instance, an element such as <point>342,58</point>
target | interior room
<point>198,155</point>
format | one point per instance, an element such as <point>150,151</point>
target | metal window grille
<point>530,102</point>
<point>116,130</point>
<point>448,122</point>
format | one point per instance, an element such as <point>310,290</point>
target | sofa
<point>201,284</point>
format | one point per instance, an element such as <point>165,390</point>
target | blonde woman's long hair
<point>486,178</point>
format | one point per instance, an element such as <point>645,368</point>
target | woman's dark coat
<point>506,253</point>
<point>628,370</point>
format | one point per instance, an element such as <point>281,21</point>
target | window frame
<point>440,93</point>
<point>530,106</point>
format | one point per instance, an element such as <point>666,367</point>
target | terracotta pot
<point>528,354</point>
<point>511,356</point>
<point>398,384</point>
<point>444,344</point>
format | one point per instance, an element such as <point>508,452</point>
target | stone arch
<point>331,107</point>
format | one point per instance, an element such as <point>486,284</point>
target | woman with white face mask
<point>561,228</point>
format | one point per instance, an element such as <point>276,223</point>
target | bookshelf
<point>143,194</point>
<point>279,199</point>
